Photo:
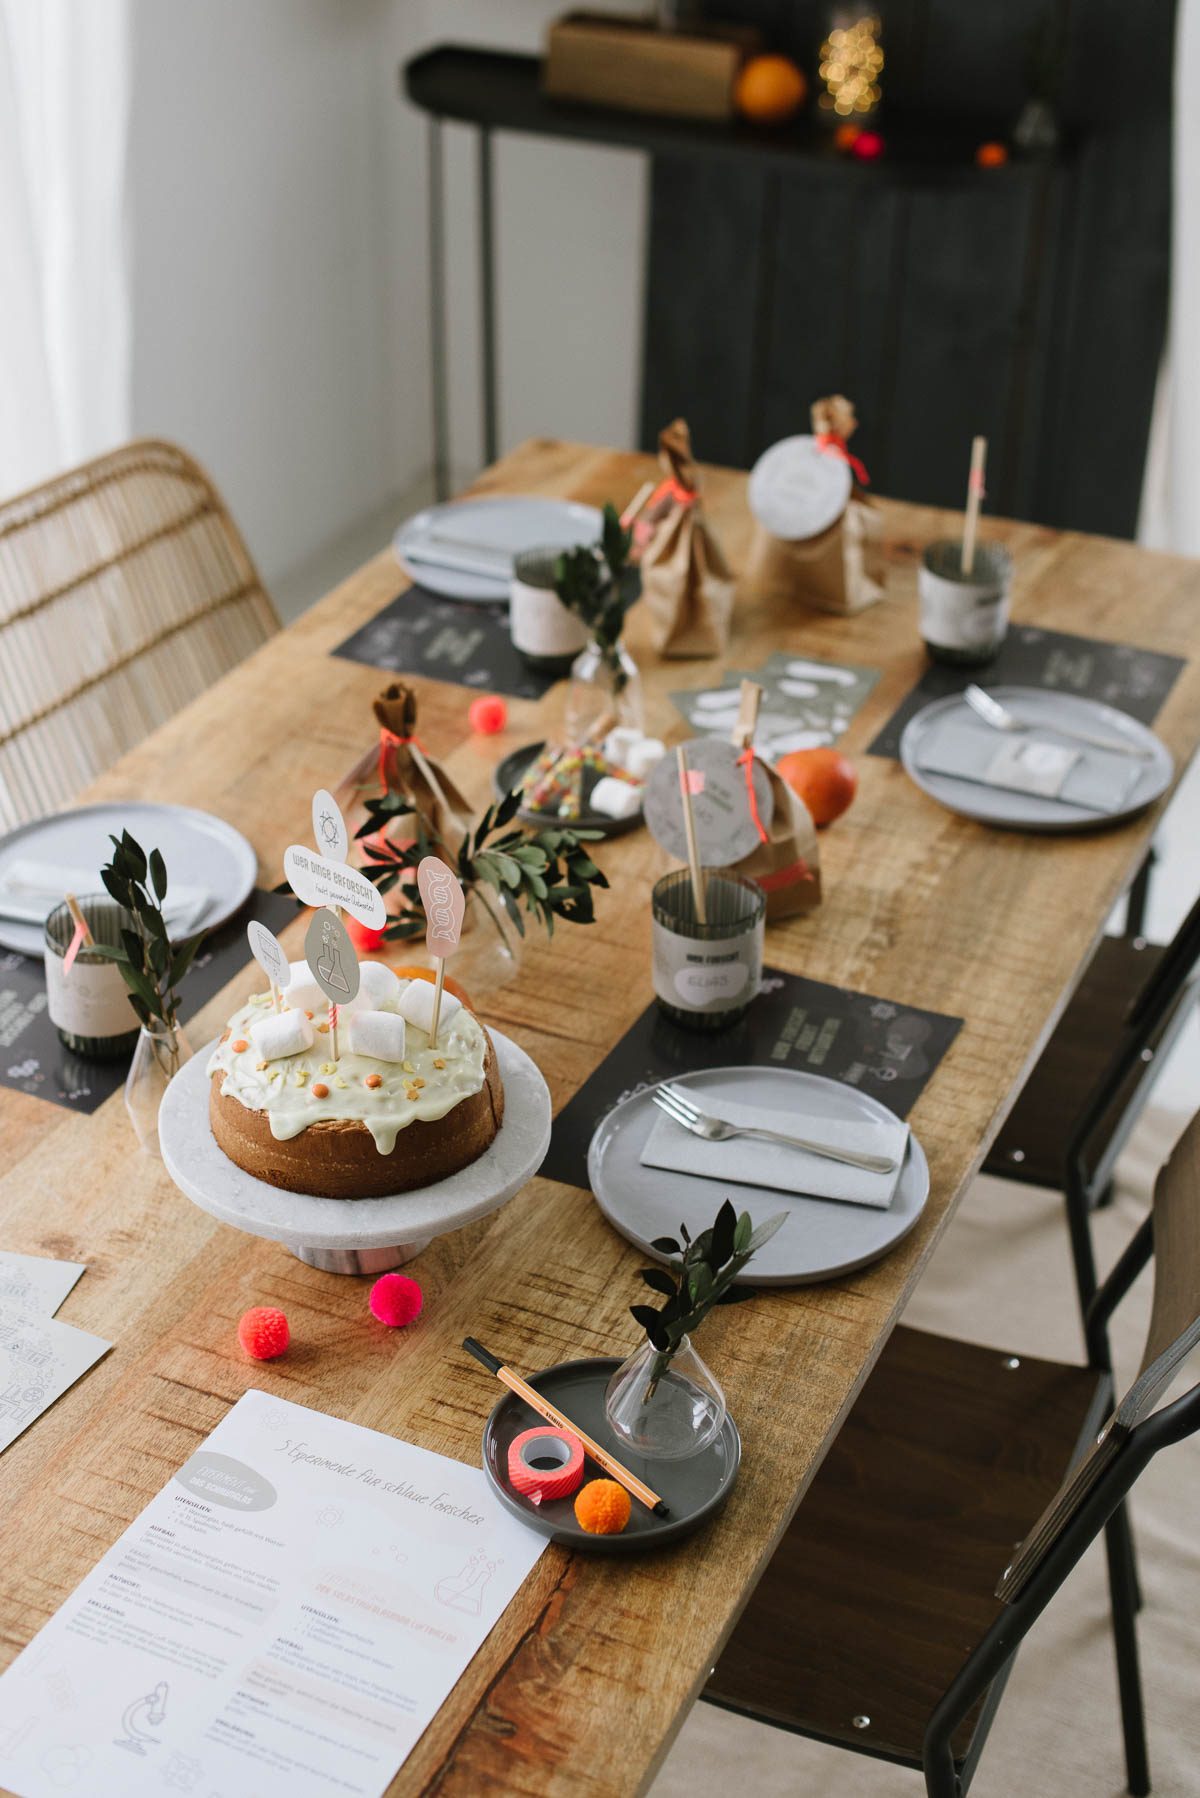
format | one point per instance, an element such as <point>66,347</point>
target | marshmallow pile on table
<point>635,754</point>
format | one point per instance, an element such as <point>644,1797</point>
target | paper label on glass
<point>955,616</point>
<point>797,490</point>
<point>316,881</point>
<point>696,975</point>
<point>269,953</point>
<point>444,902</point>
<point>329,827</point>
<point>726,829</point>
<point>287,1614</point>
<point>92,1000</point>
<point>331,958</point>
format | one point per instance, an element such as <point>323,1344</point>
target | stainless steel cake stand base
<point>360,1261</point>
<point>355,1236</point>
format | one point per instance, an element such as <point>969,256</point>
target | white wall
<point>278,232</point>
<point>255,195</point>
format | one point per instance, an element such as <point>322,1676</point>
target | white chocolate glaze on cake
<point>417,1088</point>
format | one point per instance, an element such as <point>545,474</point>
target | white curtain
<point>64,285</point>
<point>1170,517</point>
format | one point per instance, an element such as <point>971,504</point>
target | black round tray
<point>694,1489</point>
<point>511,771</point>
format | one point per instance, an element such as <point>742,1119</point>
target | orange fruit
<point>823,778</point>
<point>430,974</point>
<point>769,89</point>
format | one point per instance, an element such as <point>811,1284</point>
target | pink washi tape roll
<point>545,1463</point>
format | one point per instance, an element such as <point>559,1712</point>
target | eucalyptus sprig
<point>549,871</point>
<point>701,1275</point>
<point>600,588</point>
<point>151,968</point>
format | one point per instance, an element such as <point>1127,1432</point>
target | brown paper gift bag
<point>840,568</point>
<point>405,768</point>
<point>787,862</point>
<point>687,586</point>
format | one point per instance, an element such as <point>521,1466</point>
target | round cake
<point>388,1115</point>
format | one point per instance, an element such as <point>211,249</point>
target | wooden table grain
<point>587,1677</point>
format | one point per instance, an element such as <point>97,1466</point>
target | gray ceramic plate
<point>694,1489</point>
<point>496,529</point>
<point>200,851</point>
<point>1029,811</point>
<point>822,1239</point>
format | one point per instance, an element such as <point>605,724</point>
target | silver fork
<point>990,709</point>
<point>678,1106</point>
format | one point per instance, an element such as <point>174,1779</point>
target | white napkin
<point>30,890</point>
<point>752,1161</point>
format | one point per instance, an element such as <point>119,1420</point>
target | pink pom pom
<point>362,936</point>
<point>488,714</point>
<point>264,1333</point>
<point>396,1300</point>
<point>868,146</point>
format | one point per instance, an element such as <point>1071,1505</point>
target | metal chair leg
<point>1122,1579</point>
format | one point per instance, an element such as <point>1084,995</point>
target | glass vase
<point>160,1052</point>
<point>664,1405</point>
<point>606,690</point>
<point>489,950</point>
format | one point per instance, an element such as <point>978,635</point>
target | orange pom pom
<point>365,940</point>
<point>991,156</point>
<point>264,1333</point>
<point>847,135</point>
<point>603,1508</point>
<point>488,714</point>
<point>770,89</point>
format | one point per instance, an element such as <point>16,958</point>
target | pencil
<point>552,1414</point>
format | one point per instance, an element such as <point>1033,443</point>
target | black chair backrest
<point>1172,1233</point>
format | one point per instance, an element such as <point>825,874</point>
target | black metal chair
<point>1092,1081</point>
<point>879,1625</point>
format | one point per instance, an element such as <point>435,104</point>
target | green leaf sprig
<point>152,969</point>
<point>701,1275</point>
<point>547,872</point>
<point>599,587</point>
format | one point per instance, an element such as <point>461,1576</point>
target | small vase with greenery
<point>152,968</point>
<point>663,1401</point>
<point>600,585</point>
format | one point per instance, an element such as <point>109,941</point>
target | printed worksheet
<point>285,1617</point>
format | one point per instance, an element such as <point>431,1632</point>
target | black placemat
<point>448,640</point>
<point>1134,680</point>
<point>884,1049</point>
<point>33,1058</point>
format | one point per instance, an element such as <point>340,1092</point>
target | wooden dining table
<point>586,1679</point>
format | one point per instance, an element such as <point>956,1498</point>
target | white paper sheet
<point>34,1282</point>
<point>39,1359</point>
<point>285,1617</point>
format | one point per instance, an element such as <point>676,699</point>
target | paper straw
<point>689,826</point>
<point>438,984</point>
<point>974,501</point>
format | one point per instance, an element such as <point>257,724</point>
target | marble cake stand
<point>355,1236</point>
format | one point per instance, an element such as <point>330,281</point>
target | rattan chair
<point>125,591</point>
<point>889,1617</point>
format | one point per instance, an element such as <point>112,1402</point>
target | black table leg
<point>437,311</point>
<point>487,293</point>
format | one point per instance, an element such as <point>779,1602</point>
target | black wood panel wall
<point>1027,302</point>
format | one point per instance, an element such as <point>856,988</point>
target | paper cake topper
<point>719,783</point>
<point>331,958</point>
<point>268,952</point>
<point>329,827</point>
<point>444,902</point>
<point>317,881</point>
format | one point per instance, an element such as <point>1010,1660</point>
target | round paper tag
<point>268,952</point>
<point>797,490</point>
<point>331,958</point>
<point>329,828</point>
<point>725,826</point>
<point>316,881</point>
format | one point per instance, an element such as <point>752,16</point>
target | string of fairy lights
<point>850,67</point>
